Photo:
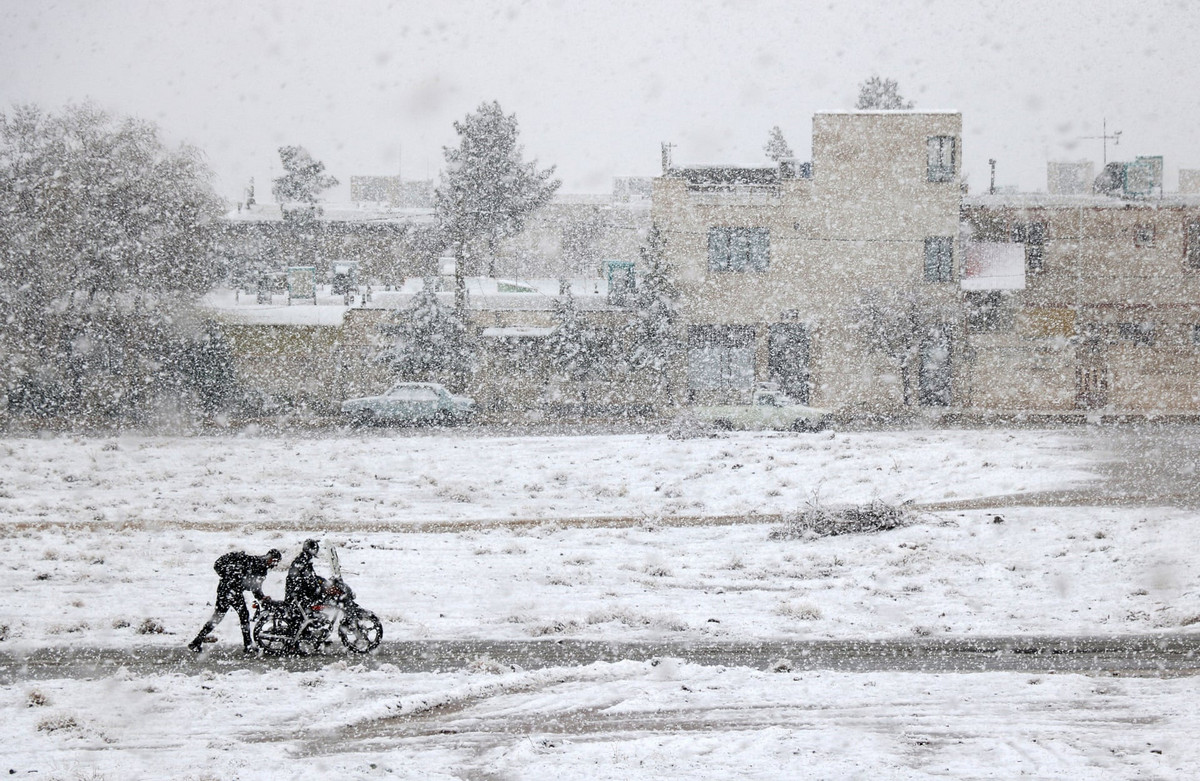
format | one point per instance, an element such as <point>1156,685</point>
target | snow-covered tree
<point>898,323</point>
<point>106,237</point>
<point>654,339</point>
<point>573,345</point>
<point>777,147</point>
<point>427,340</point>
<point>878,93</point>
<point>487,189</point>
<point>303,177</point>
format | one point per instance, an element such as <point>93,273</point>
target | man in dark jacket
<point>239,572</point>
<point>304,587</point>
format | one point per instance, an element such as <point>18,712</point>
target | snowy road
<point>1146,655</point>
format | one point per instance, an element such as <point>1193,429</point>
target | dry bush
<point>56,723</point>
<point>818,520</point>
<point>150,627</point>
<point>799,611</point>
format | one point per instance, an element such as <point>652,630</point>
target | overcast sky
<point>373,87</point>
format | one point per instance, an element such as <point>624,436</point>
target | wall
<point>859,222</point>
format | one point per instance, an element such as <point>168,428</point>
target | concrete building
<point>1105,311</point>
<point>772,265</point>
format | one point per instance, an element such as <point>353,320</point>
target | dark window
<point>942,158</point>
<point>939,259</point>
<point>1143,236</point>
<point>788,347</point>
<point>1136,333</point>
<point>739,249</point>
<point>988,312</point>
<point>1196,334</point>
<point>1033,236</point>
<point>1191,250</point>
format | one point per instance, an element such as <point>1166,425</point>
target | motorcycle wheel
<point>274,631</point>
<point>312,637</point>
<point>361,632</point>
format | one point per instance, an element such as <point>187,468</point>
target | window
<point>1191,248</point>
<point>739,249</point>
<point>1196,334</point>
<point>721,357</point>
<point>939,259</point>
<point>942,158</point>
<point>988,311</point>
<point>1136,333</point>
<point>1143,236</point>
<point>1033,236</point>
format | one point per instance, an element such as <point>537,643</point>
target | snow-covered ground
<point>629,537</point>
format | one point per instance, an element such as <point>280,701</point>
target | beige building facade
<point>1107,315</point>
<point>771,264</point>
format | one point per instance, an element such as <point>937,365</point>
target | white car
<point>411,402</point>
<point>770,409</point>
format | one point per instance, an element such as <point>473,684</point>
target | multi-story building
<point>1099,308</point>
<point>774,264</point>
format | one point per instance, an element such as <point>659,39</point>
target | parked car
<point>770,409</point>
<point>411,402</point>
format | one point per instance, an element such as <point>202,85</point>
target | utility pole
<point>992,163</point>
<point>1116,138</point>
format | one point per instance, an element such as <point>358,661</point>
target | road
<point>1142,655</point>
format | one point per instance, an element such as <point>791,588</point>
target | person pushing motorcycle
<point>239,572</point>
<point>313,609</point>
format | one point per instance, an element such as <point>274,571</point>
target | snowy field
<point>109,543</point>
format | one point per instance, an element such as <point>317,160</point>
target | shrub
<point>150,627</point>
<point>817,520</point>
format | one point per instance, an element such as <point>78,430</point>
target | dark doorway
<point>788,348</point>
<point>1091,375</point>
<point>933,382</point>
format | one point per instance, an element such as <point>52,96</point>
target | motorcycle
<point>281,627</point>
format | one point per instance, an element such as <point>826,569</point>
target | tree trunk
<point>460,281</point>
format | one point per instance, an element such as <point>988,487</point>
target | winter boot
<point>202,637</point>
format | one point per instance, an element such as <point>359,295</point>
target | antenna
<point>1116,138</point>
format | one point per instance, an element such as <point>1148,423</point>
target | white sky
<point>597,86</point>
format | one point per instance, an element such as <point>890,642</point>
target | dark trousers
<point>229,595</point>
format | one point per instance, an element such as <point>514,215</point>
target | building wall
<point>314,368</point>
<point>251,248</point>
<point>860,222</point>
<point>1110,270</point>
